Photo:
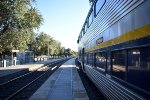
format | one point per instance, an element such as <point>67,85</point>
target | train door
<point>83,54</point>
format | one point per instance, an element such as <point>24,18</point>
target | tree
<point>13,40</point>
<point>67,52</point>
<point>62,51</point>
<point>55,47</point>
<point>73,53</point>
<point>18,14</point>
<point>17,20</point>
<point>42,43</point>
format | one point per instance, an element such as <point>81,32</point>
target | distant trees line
<point>44,44</point>
<point>18,19</point>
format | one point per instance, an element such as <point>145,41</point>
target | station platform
<point>31,66</point>
<point>63,84</point>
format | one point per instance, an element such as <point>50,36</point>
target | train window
<point>139,67</point>
<point>100,61</point>
<point>80,55</point>
<point>85,27</point>
<point>90,59</point>
<point>83,32</point>
<point>119,64</point>
<point>91,18</point>
<point>93,11</point>
<point>80,36</point>
<point>85,59</point>
<point>99,5</point>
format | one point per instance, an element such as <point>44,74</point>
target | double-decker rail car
<point>114,48</point>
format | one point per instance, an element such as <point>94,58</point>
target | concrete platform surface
<point>63,84</point>
<point>30,67</point>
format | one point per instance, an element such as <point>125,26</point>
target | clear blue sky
<point>63,19</point>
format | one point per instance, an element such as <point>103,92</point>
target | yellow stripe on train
<point>132,35</point>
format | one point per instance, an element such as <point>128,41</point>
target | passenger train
<point>114,48</point>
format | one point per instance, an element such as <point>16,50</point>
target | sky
<point>63,19</point>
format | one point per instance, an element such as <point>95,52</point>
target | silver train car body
<point>114,48</point>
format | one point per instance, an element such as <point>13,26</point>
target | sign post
<point>14,58</point>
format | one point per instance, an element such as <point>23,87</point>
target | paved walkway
<point>30,67</point>
<point>64,84</point>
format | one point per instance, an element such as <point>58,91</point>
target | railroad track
<point>6,78</point>
<point>12,88</point>
<point>11,77</point>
